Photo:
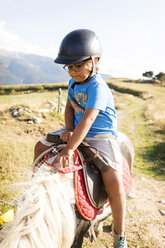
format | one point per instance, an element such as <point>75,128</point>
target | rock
<point>53,104</point>
<point>147,95</point>
<point>37,120</point>
<point>162,212</point>
<point>132,195</point>
<point>62,110</point>
<point>15,113</point>
<point>20,111</point>
<point>30,122</point>
<point>162,201</point>
<point>44,110</point>
<point>27,110</point>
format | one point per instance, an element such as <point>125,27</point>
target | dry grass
<point>156,113</point>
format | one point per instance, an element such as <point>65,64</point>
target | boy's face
<point>81,70</point>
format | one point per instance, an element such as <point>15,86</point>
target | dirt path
<point>145,222</point>
<point>145,219</point>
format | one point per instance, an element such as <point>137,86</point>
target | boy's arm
<point>69,122</point>
<point>69,116</point>
<point>81,130</point>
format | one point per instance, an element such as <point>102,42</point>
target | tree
<point>148,74</point>
<point>160,76</point>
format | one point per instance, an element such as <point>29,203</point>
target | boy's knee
<point>116,183</point>
<point>113,180</point>
<point>39,148</point>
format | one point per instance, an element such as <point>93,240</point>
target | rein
<point>64,170</point>
<point>70,169</point>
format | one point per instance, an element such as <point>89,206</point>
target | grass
<point>142,119</point>
<point>137,118</point>
<point>18,138</point>
<point>24,89</point>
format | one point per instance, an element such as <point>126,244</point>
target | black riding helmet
<point>78,45</point>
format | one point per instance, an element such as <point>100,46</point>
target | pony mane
<point>44,216</point>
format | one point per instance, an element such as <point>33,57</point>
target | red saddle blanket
<point>83,203</point>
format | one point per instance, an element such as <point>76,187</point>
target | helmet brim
<point>65,60</point>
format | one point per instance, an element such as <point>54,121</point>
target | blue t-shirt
<point>96,95</point>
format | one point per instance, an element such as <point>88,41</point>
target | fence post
<point>59,100</point>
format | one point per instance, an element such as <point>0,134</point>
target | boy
<point>90,116</point>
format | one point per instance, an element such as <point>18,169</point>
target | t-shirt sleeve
<point>97,97</point>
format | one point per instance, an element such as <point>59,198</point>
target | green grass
<point>32,99</point>
<point>146,133</point>
<point>17,89</point>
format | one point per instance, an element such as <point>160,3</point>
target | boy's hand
<point>65,136</point>
<point>65,157</point>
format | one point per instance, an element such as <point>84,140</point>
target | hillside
<point>19,68</point>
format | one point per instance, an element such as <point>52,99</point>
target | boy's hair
<point>95,65</point>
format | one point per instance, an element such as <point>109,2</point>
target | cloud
<point>8,40</point>
<point>128,67</point>
<point>12,42</point>
<point>113,66</point>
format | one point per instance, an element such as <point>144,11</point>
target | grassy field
<point>141,116</point>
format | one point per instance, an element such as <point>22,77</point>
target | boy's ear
<point>96,60</point>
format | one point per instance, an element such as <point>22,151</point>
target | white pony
<point>46,215</point>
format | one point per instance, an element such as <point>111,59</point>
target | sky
<point>131,31</point>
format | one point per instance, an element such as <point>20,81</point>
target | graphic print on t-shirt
<point>79,103</point>
<point>81,98</point>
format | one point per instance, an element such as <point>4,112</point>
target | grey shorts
<point>106,144</point>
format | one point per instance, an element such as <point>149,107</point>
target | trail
<point>145,222</point>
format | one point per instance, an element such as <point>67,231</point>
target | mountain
<point>20,68</point>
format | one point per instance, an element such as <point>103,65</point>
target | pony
<point>46,212</point>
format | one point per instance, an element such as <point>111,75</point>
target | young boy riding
<point>90,116</point>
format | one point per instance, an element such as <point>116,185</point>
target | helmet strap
<point>90,73</point>
<point>93,69</point>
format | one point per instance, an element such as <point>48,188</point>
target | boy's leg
<point>113,182</point>
<point>43,144</point>
<point>39,148</point>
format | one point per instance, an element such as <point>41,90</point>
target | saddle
<point>92,162</point>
